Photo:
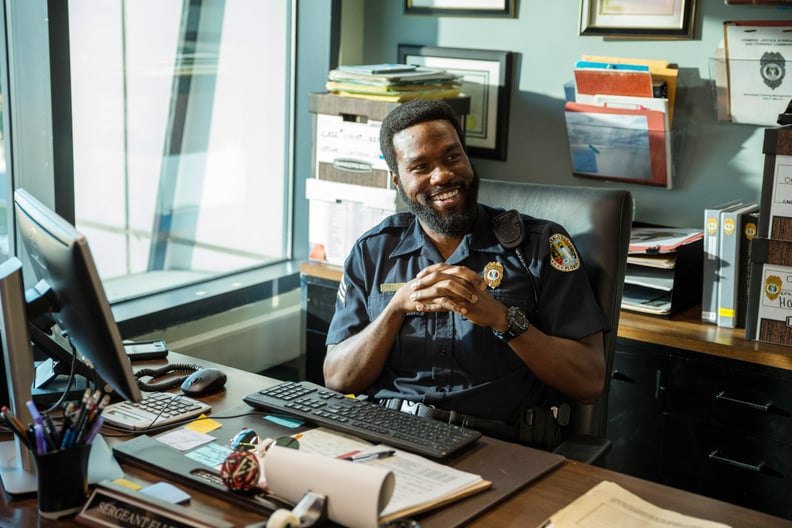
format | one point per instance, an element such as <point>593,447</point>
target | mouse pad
<point>508,466</point>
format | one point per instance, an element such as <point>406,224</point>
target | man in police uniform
<point>433,309</point>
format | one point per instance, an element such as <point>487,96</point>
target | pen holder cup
<point>62,478</point>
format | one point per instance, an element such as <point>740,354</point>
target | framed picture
<point>504,8</point>
<point>637,18</point>
<point>760,2</point>
<point>486,77</point>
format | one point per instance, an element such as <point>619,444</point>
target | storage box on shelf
<point>350,191</point>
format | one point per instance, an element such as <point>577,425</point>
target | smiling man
<point>434,316</point>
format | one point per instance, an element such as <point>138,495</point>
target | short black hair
<point>411,113</point>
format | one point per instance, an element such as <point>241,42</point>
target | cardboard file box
<point>775,218</point>
<point>346,138</point>
<point>340,212</point>
<point>770,301</point>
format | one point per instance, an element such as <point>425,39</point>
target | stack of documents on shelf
<point>608,504</point>
<point>728,231</point>
<point>619,123</point>
<point>393,82</point>
<point>756,54</point>
<point>663,270</point>
<point>770,294</point>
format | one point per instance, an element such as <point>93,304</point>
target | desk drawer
<point>751,399</point>
<point>717,462</point>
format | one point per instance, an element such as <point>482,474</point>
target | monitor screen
<point>59,255</point>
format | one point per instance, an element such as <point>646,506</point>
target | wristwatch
<point>518,323</point>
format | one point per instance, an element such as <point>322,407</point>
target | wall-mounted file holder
<point>621,139</point>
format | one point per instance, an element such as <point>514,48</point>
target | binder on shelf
<point>663,274</point>
<point>738,228</point>
<point>711,263</point>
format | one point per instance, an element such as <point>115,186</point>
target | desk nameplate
<point>110,506</point>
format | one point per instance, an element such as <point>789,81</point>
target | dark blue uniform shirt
<point>442,358</point>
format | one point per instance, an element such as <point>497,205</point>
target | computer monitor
<point>60,256</point>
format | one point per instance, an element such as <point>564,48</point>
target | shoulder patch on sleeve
<point>342,291</point>
<point>563,255</point>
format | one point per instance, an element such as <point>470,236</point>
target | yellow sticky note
<point>127,484</point>
<point>203,425</point>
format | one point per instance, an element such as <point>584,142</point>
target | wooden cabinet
<point>635,411</point>
<point>712,416</point>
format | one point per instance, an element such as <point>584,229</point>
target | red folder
<point>606,81</point>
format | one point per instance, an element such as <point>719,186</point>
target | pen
<point>365,457</point>
<point>13,420</point>
<point>41,443</point>
<point>20,433</point>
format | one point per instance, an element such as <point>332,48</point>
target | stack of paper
<point>393,82</point>
<point>619,123</point>
<point>608,504</point>
<point>663,270</point>
<point>364,494</point>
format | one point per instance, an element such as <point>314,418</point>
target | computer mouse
<point>203,381</point>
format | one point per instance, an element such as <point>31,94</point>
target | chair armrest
<point>585,448</point>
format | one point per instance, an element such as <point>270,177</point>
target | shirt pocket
<point>411,342</point>
<point>492,358</point>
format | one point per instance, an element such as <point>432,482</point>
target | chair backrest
<point>599,222</point>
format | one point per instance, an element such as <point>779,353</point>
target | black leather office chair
<point>599,222</point>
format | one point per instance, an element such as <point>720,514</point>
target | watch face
<point>518,321</point>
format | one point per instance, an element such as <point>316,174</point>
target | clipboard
<point>622,144</point>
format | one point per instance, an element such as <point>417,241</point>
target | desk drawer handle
<point>756,468</point>
<point>767,407</point>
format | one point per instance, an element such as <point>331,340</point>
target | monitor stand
<point>17,480</point>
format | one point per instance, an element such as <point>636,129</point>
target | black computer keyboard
<point>364,419</point>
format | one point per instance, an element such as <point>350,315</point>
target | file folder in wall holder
<point>620,140</point>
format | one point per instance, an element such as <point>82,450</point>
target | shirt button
<point>443,352</point>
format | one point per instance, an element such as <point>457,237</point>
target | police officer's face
<point>435,178</point>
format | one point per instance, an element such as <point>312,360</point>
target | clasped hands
<point>447,288</point>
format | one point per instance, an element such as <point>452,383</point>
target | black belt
<point>497,428</point>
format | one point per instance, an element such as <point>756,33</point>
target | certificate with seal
<point>758,63</point>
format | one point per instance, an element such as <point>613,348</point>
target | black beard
<point>452,224</point>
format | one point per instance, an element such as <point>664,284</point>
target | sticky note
<point>291,423</point>
<point>167,492</point>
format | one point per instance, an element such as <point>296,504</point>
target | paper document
<point>759,58</point>
<point>383,489</point>
<point>608,504</point>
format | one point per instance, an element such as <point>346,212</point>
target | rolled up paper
<point>356,493</point>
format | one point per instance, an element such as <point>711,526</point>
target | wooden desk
<point>528,507</point>
<point>686,331</point>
